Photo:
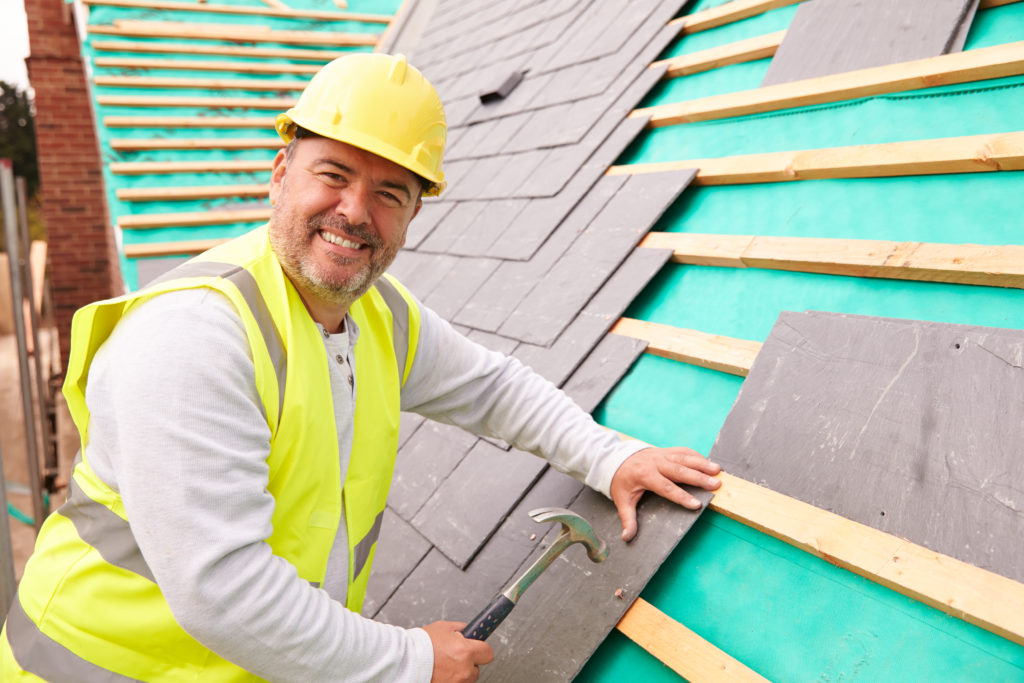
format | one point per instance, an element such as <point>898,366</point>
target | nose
<point>354,204</point>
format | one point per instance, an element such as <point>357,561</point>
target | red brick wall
<point>83,259</point>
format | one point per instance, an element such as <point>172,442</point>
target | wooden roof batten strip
<point>182,248</point>
<point>966,154</point>
<point>318,55</point>
<point>949,69</point>
<point>156,194</point>
<point>758,47</point>
<point>266,122</point>
<point>253,84</point>
<point>145,221</point>
<point>138,144</point>
<point>191,65</point>
<point>214,103</point>
<point>228,32</point>
<point>282,11</point>
<point>965,264</point>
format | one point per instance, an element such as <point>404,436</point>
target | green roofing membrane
<point>779,610</point>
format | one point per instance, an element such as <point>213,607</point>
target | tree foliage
<point>17,134</point>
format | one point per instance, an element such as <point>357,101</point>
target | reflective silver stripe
<point>105,531</point>
<point>363,548</point>
<point>43,656</point>
<point>246,284</point>
<point>400,314</point>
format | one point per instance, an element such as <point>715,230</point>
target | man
<point>239,422</point>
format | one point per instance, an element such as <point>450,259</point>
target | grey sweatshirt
<point>177,429</point>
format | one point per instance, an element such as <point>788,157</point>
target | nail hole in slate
<point>956,346</point>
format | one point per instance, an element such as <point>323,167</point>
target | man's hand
<point>456,658</point>
<point>660,470</point>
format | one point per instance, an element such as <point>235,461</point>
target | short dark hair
<point>299,133</point>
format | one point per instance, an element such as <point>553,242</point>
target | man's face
<point>340,216</point>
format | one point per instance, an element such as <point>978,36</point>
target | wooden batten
<point>244,34</point>
<point>280,9</point>
<point>320,56</point>
<point>960,67</point>
<point>243,84</point>
<point>138,144</point>
<point>980,597</point>
<point>191,65</point>
<point>679,648</point>
<point>155,194</point>
<point>189,220</point>
<point>968,154</point>
<point>758,47</point>
<point>713,351</point>
<point>215,103</point>
<point>185,248</point>
<point>170,167</point>
<point>188,122</point>
<point>726,14</point>
<point>967,264</point>
<point>988,4</point>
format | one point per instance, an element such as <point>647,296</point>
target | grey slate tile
<point>534,131</point>
<point>521,100</point>
<point>602,370</point>
<point>540,639</point>
<point>455,223</point>
<point>493,341</point>
<point>399,550</point>
<point>437,589</point>
<point>407,426</point>
<point>430,270</point>
<point>424,462</point>
<point>490,223</point>
<point>562,358</point>
<point>515,171</point>
<point>500,295</point>
<point>582,44</point>
<point>505,129</point>
<point>479,175</point>
<point>432,213</point>
<point>472,502</point>
<point>468,144</point>
<point>609,239</point>
<point>834,36</point>
<point>455,174</point>
<point>455,289</point>
<point>560,165</point>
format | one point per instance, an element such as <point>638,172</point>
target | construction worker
<point>239,424</point>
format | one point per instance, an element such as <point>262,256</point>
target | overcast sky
<point>13,43</point>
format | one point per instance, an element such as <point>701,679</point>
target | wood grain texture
<point>180,29</point>
<point>962,67</point>
<point>714,351</point>
<point>321,56</point>
<point>904,430</point>
<point>758,47</point>
<point>190,248</point>
<point>679,648</point>
<point>966,154</point>
<point>727,13</point>
<point>967,264</point>
<point>140,144</point>
<point>281,10</point>
<point>199,83</point>
<point>188,122</point>
<point>142,221</point>
<point>169,167</point>
<point>193,65</point>
<point>835,36</point>
<point>213,103</point>
<point>156,194</point>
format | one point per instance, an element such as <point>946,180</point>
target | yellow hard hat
<point>379,103</point>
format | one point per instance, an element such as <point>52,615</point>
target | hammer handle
<point>484,623</point>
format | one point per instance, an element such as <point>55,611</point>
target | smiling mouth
<point>340,241</point>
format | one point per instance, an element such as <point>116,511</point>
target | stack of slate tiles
<point>531,251</point>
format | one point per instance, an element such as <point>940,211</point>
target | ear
<point>277,176</point>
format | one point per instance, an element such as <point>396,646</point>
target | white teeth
<point>340,241</point>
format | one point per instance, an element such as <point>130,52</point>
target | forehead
<point>319,149</point>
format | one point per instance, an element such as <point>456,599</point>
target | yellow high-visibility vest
<point>88,607</point>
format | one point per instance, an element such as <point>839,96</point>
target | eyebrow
<point>390,184</point>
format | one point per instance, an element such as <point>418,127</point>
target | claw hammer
<point>575,529</point>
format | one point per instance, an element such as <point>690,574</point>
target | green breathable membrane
<point>793,617</point>
<point>118,208</point>
<point>724,79</point>
<point>758,25</point>
<point>777,609</point>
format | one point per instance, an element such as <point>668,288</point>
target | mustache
<point>327,219</point>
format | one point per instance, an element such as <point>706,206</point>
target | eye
<point>390,198</point>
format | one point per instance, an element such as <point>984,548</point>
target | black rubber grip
<point>484,623</point>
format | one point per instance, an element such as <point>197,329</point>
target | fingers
<point>627,515</point>
<point>456,658</point>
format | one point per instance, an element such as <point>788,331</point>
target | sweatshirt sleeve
<point>457,381</point>
<point>177,429</point>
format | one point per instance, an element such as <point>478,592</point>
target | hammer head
<point>575,529</point>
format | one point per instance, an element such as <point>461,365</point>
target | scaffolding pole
<point>7,193</point>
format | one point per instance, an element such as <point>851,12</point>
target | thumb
<point>627,515</point>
